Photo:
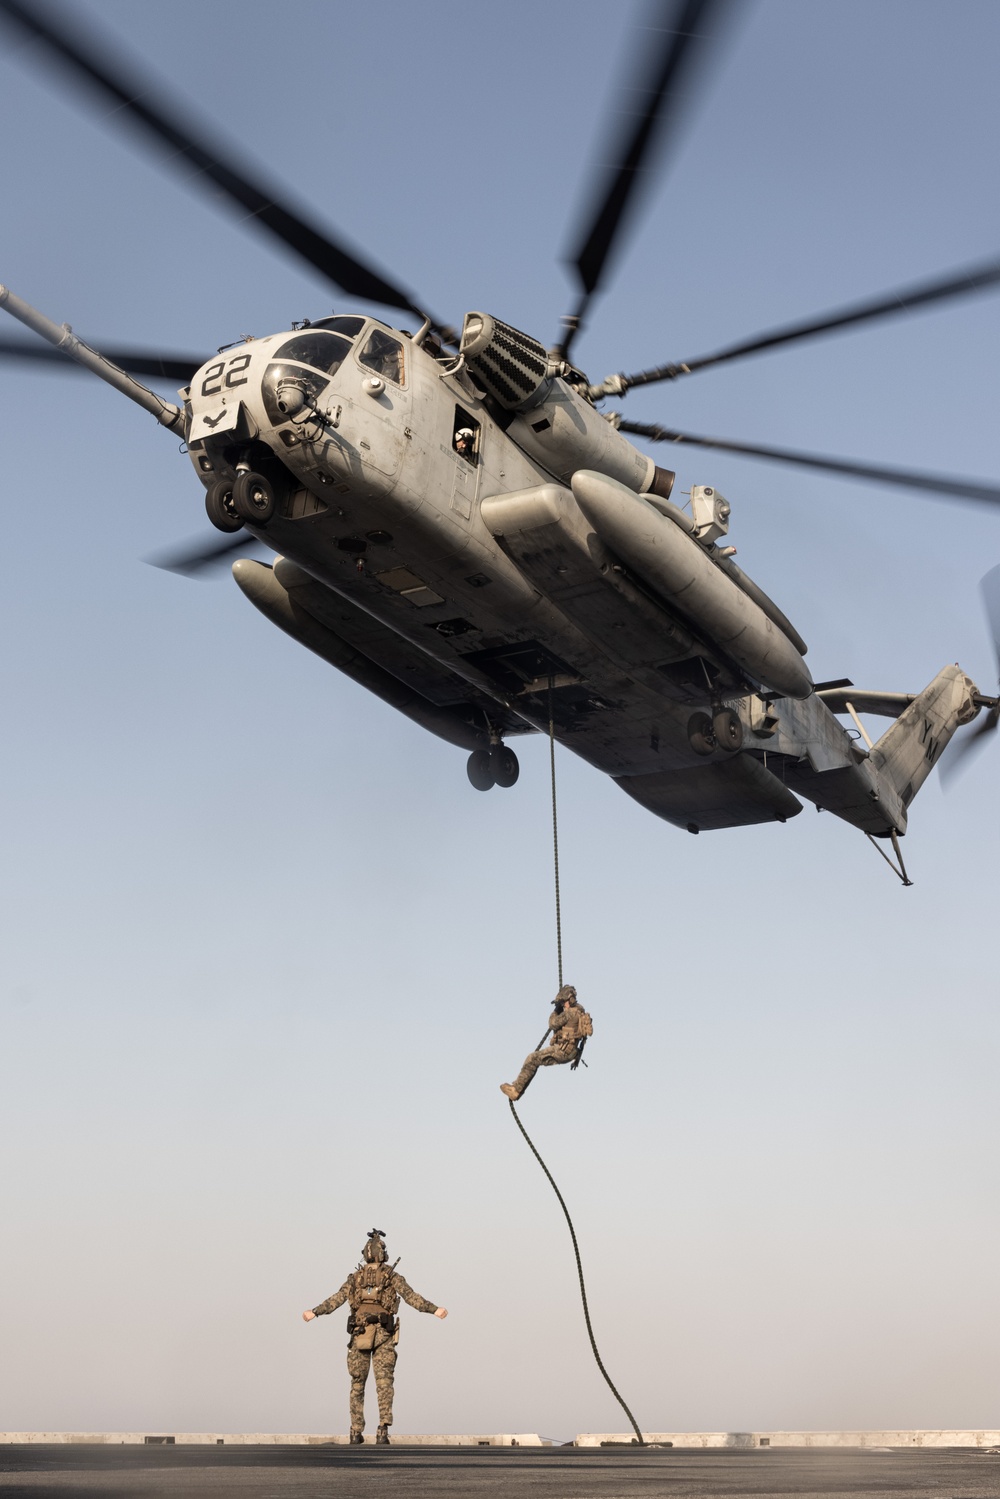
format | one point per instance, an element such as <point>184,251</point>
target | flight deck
<point>411,1471</point>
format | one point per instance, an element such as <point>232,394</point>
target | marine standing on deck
<point>570,1026</point>
<point>374,1291</point>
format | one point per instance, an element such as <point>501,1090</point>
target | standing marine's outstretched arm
<point>332,1302</point>
<point>409,1295</point>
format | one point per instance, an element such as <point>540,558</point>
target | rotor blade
<point>682,28</point>
<point>953,489</point>
<point>154,366</point>
<point>989,587</point>
<point>202,555</point>
<point>976,278</point>
<point>956,757</point>
<point>87,57</point>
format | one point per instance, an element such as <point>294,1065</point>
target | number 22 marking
<point>213,374</point>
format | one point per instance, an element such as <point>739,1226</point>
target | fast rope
<point>579,1270</point>
<point>555,831</point>
<point>530,1143</point>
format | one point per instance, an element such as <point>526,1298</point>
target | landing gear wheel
<point>220,507</point>
<point>480,770</point>
<point>505,765</point>
<point>728,730</point>
<point>253,499</point>
<point>701,734</point>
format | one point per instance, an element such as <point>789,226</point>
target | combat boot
<point>357,1438</point>
<point>382,1436</point>
<point>510,1091</point>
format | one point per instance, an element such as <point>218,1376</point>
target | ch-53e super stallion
<point>461,531</point>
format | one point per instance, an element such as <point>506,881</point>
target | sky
<point>266,955</point>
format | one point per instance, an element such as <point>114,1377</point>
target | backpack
<point>578,1025</point>
<point>372,1294</point>
<point>374,1304</point>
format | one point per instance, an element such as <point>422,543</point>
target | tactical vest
<point>372,1297</point>
<point>577,1026</point>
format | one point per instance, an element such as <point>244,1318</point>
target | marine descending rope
<point>572,1231</point>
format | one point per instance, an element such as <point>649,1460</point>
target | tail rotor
<point>965,748</point>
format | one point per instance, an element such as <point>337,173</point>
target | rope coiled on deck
<point>579,1270</point>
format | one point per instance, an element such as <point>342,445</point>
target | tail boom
<point>874,792</point>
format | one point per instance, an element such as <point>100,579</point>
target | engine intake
<point>509,365</point>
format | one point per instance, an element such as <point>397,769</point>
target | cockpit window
<point>324,351</point>
<point>384,355</point>
<point>350,327</point>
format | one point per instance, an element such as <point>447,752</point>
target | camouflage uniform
<point>382,1354</point>
<point>565,1046</point>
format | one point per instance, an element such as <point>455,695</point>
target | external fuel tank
<point>681,572</point>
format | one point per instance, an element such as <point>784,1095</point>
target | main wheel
<point>505,765</point>
<point>480,770</point>
<point>728,730</point>
<point>220,508</point>
<point>253,499</point>
<point>701,734</point>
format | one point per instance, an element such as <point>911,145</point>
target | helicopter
<point>463,532</point>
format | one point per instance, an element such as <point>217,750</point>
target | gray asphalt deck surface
<point>51,1472</point>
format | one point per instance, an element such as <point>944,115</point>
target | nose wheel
<point>253,498</point>
<point>497,766</point>
<point>220,508</point>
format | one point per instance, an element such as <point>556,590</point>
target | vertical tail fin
<point>908,751</point>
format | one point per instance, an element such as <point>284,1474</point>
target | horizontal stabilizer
<point>881,704</point>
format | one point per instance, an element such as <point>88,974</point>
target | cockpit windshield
<point>324,351</point>
<point>350,327</point>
